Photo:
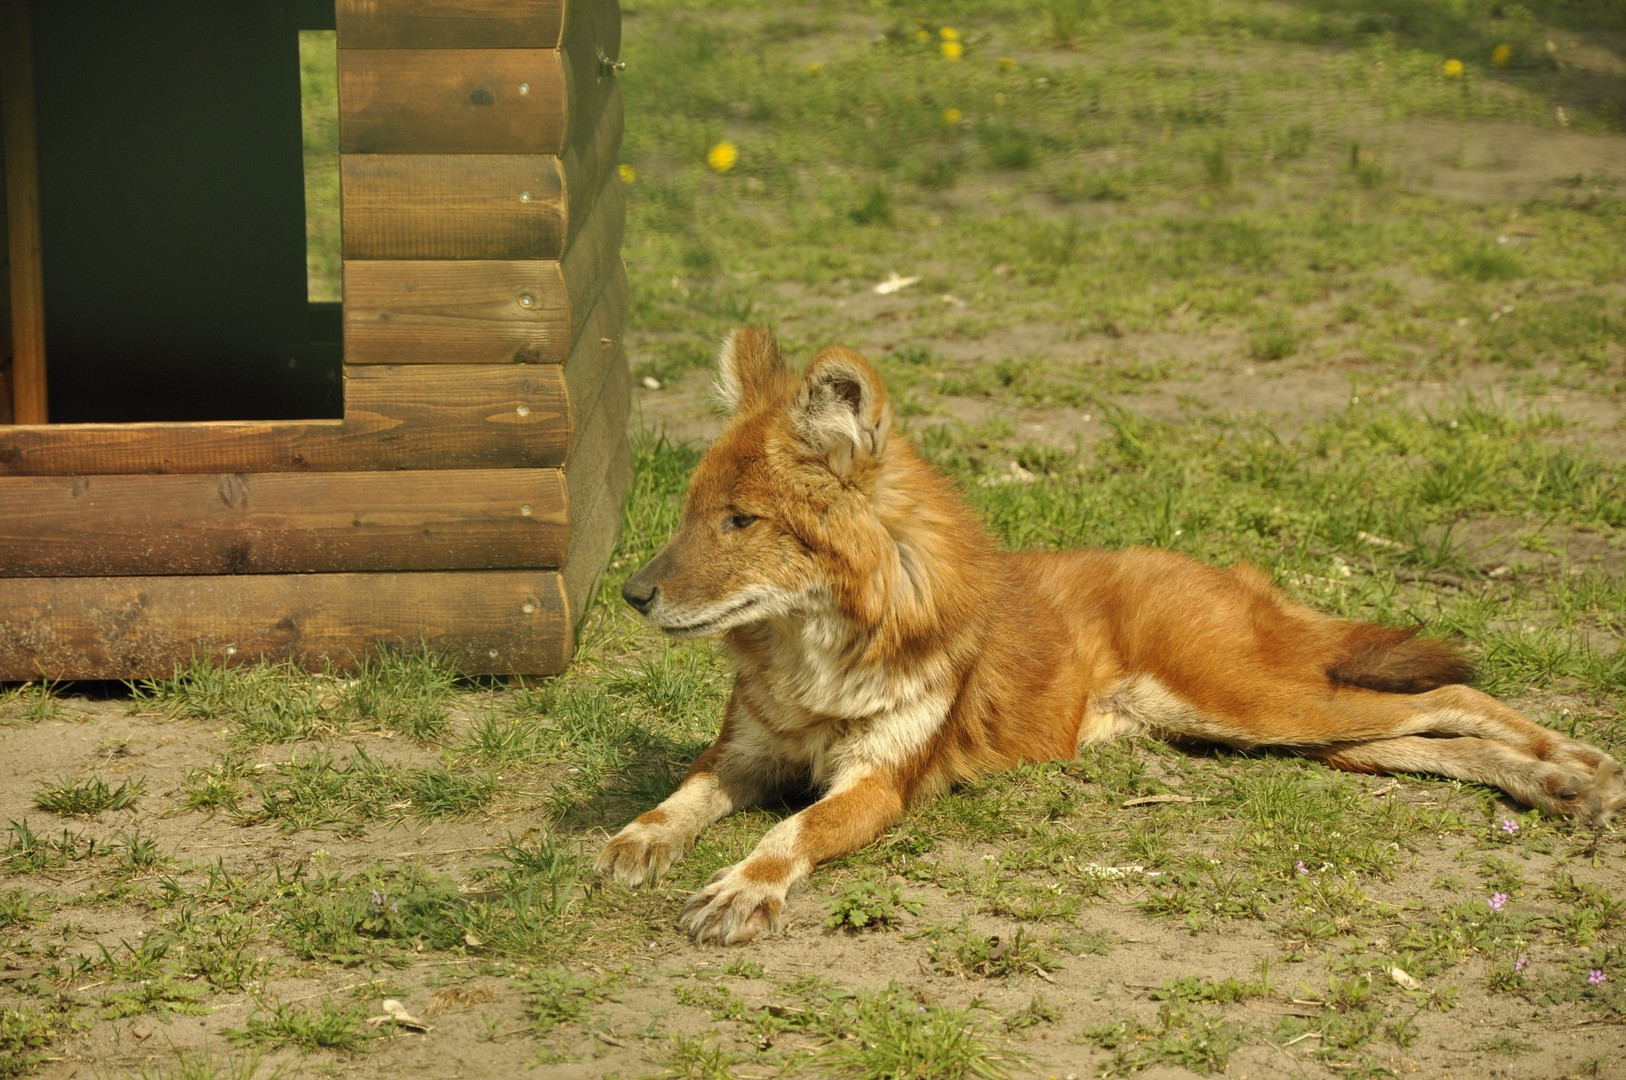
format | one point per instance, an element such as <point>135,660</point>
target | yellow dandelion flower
<point>723,156</point>
<point>1502,54</point>
<point>951,50</point>
<point>952,117</point>
<point>1007,64</point>
<point>948,33</point>
<point>629,175</point>
<point>923,35</point>
<point>1452,69</point>
<point>815,68</point>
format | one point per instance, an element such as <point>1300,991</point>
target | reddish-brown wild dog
<point>884,649</point>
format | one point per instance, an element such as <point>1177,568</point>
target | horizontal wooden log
<point>452,101</point>
<point>476,206</point>
<point>268,523</point>
<point>452,206</point>
<point>452,311</point>
<point>484,622</point>
<point>396,417</point>
<point>463,416</point>
<point>451,24</point>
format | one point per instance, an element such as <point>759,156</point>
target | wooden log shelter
<point>197,461</point>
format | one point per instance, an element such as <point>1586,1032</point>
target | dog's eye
<point>737,522</point>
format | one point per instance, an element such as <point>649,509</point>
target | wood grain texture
<point>484,622</point>
<point>476,206</point>
<point>593,538</point>
<point>588,166</point>
<point>22,196</point>
<point>477,519</point>
<point>597,436</point>
<point>597,477</point>
<point>427,311</point>
<point>453,101</point>
<point>455,311</point>
<point>396,417</point>
<point>452,206</point>
<point>597,352</point>
<point>450,24</point>
<point>592,36</point>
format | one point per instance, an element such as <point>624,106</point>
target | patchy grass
<point>86,798</point>
<point>1117,212</point>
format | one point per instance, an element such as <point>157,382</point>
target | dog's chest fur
<point>829,701</point>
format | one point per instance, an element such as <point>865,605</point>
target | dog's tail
<point>1397,661</point>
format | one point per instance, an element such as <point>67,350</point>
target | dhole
<point>885,649</point>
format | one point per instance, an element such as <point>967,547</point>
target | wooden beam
<point>599,425</point>
<point>477,206</point>
<point>599,471</point>
<point>590,51</point>
<point>268,523</point>
<point>485,622</point>
<point>26,271</point>
<point>452,311</point>
<point>598,352</point>
<point>452,101</point>
<point>413,417</point>
<point>588,166</point>
<point>452,206</point>
<point>450,24</point>
<point>593,537</point>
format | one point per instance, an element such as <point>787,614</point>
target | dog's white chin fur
<point>741,609</point>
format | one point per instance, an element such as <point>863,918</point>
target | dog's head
<point>778,512</point>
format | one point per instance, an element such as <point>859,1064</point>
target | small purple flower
<point>1510,826</point>
<point>1497,901</point>
<point>1596,977</point>
<point>1519,964</point>
<point>1300,868</point>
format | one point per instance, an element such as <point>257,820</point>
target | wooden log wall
<point>472,491</point>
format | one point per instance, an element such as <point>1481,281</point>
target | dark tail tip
<point>1397,661</point>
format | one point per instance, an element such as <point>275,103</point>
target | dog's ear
<point>746,367</point>
<point>841,415</point>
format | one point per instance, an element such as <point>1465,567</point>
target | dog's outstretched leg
<point>722,780</point>
<point>749,897</point>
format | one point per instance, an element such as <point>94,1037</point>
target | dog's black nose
<point>639,595</point>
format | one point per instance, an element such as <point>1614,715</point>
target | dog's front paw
<point>640,853</point>
<point>734,908</point>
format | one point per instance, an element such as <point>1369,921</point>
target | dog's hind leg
<point>1593,795</point>
<point>1453,731</point>
<point>1457,731</point>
